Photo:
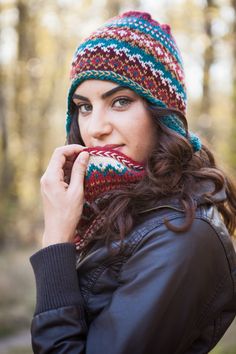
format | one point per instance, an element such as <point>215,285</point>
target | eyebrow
<point>103,96</point>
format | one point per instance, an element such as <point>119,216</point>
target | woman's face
<point>110,114</point>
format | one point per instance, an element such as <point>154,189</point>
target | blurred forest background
<point>37,41</point>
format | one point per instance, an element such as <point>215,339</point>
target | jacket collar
<point>202,193</point>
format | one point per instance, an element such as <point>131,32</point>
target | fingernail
<point>83,157</point>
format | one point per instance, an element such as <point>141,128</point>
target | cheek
<point>143,140</point>
<point>82,130</point>
<point>145,132</point>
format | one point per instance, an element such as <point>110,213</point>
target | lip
<point>114,146</point>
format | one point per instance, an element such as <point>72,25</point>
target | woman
<point>138,259</point>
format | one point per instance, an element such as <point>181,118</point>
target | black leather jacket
<point>164,293</point>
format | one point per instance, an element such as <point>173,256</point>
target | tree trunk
<point>233,132</point>
<point>7,188</point>
<point>114,7</point>
<point>26,50</point>
<point>208,61</point>
<point>234,59</point>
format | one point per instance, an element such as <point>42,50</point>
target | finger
<point>59,158</point>
<point>78,173</point>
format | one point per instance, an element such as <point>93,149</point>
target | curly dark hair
<point>173,169</point>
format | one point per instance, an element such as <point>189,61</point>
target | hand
<point>62,190</point>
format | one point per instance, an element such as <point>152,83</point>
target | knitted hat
<point>137,52</point>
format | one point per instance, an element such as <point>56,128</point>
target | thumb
<point>78,172</point>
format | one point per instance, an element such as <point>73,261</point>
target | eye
<point>84,108</point>
<point>121,102</point>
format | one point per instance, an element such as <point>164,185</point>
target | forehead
<point>99,86</point>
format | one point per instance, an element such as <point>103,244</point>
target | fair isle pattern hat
<point>137,52</point>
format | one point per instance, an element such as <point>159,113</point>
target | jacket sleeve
<point>166,295</point>
<point>59,324</point>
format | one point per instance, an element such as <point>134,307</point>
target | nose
<point>99,125</point>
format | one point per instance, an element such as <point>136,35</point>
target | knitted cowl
<point>107,170</point>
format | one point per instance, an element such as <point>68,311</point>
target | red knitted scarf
<point>107,170</point>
